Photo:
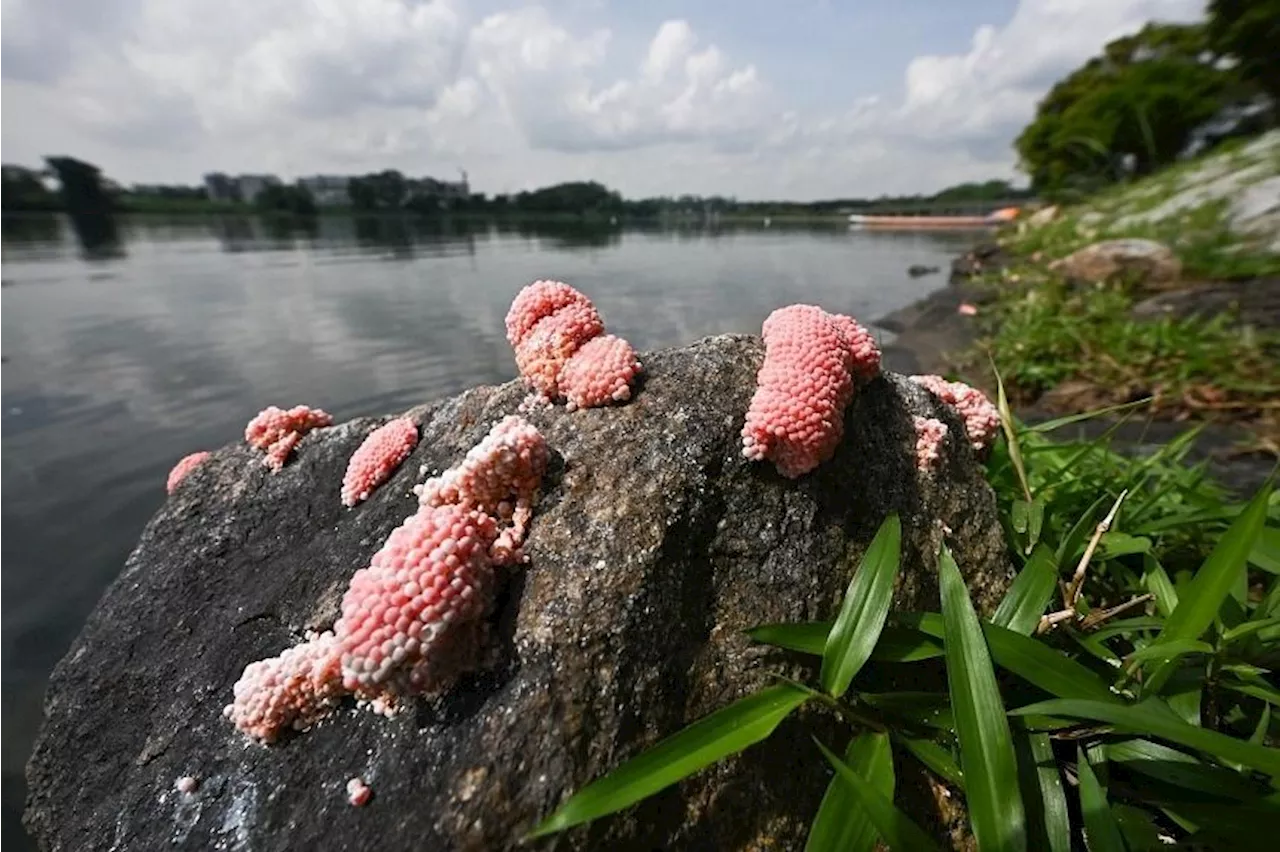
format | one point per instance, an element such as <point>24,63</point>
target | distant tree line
<point>1155,96</point>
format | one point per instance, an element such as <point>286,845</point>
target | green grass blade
<point>896,645</point>
<point>1180,769</point>
<point>1009,425</point>
<point>934,756</point>
<point>1266,550</point>
<point>1249,628</point>
<point>1162,651</point>
<point>1158,583</point>
<point>1022,606</point>
<point>894,827</point>
<point>841,824</point>
<point>1058,423</point>
<point>1030,659</point>
<point>1144,719</point>
<point>726,731</point>
<point>1219,574</point>
<point>1048,821</point>
<point>1102,833</point>
<point>864,610</point>
<point>1073,542</point>
<point>986,746</point>
<point>931,709</point>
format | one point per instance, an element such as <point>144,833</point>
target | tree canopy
<point>1249,31</point>
<point>1132,109</point>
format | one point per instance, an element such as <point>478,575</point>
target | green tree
<point>24,190</point>
<point>1130,110</point>
<point>1249,31</point>
<point>290,200</point>
<point>81,186</point>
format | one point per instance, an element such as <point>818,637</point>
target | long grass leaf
<point>726,731</point>
<point>1048,821</point>
<point>841,824</point>
<point>986,746</point>
<point>1158,761</point>
<point>1010,427</point>
<point>1219,574</point>
<point>1025,602</point>
<point>1102,833</point>
<point>1146,719</point>
<point>934,756</point>
<point>894,827</point>
<point>1057,423</point>
<point>1030,659</point>
<point>896,645</point>
<point>864,610</point>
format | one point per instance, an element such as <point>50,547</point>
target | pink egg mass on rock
<point>377,458</point>
<point>277,432</point>
<point>414,618</point>
<point>981,419</point>
<point>184,467</point>
<point>930,434</point>
<point>812,362</point>
<point>561,349</point>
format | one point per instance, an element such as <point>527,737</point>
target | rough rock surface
<point>1255,302</point>
<point>1148,262</point>
<point>1043,216</point>
<point>984,257</point>
<point>653,546</point>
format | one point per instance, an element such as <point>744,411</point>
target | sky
<point>797,99</point>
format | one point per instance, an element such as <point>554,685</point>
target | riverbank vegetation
<point>1161,138</point>
<point>1116,699</point>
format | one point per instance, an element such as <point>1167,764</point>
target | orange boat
<point>999,217</point>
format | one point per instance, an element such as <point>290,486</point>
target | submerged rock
<point>653,546</point>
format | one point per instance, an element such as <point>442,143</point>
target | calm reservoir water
<point>124,351</point>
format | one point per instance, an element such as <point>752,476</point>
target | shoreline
<point>931,336</point>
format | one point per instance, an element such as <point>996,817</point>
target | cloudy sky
<point>753,98</point>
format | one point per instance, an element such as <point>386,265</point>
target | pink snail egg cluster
<point>499,476</point>
<point>184,467</point>
<point>930,434</point>
<point>812,360</point>
<point>277,432</point>
<point>434,571</point>
<point>293,690</point>
<point>377,458</point>
<point>981,418</point>
<point>600,372</point>
<point>414,618</point>
<point>358,792</point>
<point>557,336</point>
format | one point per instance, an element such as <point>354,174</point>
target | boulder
<point>1043,216</point>
<point>984,257</point>
<point>1254,302</point>
<point>1145,262</point>
<point>654,545</point>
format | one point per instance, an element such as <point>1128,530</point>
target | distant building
<point>221,187</point>
<point>327,190</point>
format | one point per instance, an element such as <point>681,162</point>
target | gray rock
<point>1255,302</point>
<point>1147,262</point>
<point>655,544</point>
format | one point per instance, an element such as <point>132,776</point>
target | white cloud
<point>162,90</point>
<point>992,90</point>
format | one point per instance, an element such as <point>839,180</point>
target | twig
<point>1096,617</point>
<point>1077,580</point>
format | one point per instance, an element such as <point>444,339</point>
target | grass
<point>1118,698</point>
<point>1053,335</point>
<point>1082,345</point>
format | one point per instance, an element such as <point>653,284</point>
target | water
<point>129,344</point>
